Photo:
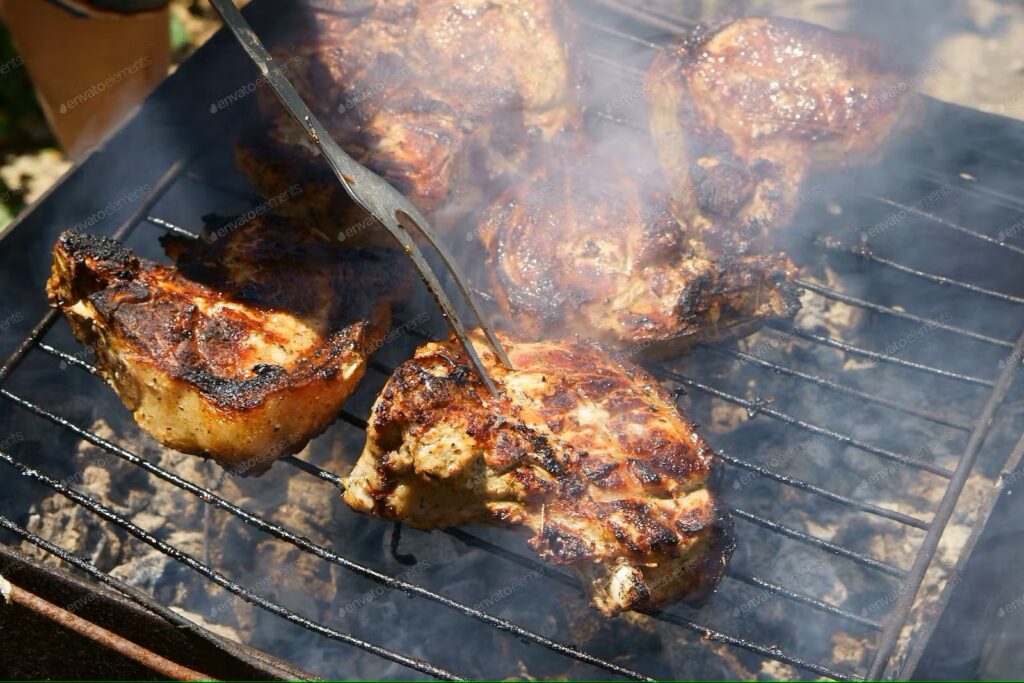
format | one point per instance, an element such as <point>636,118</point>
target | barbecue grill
<point>855,438</point>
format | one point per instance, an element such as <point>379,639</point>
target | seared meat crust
<point>741,113</point>
<point>439,97</point>
<point>245,352</point>
<point>583,448</point>
<point>581,247</point>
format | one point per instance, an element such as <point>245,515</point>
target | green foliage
<point>180,39</point>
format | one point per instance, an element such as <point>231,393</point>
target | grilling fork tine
<point>370,191</point>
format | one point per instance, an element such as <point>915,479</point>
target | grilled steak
<point>583,448</point>
<point>439,97</point>
<point>581,246</point>
<point>741,113</point>
<point>245,352</point>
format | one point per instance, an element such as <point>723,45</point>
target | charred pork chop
<point>439,97</point>
<point>583,448</point>
<point>741,113</point>
<point>583,247</point>
<point>243,353</point>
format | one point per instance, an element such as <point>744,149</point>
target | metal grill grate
<point>908,578</point>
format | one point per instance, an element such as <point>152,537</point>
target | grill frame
<point>978,429</point>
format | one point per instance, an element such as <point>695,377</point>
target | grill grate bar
<point>759,406</point>
<point>213,575</point>
<point>794,331</point>
<point>705,632</point>
<point>770,651</point>
<point>803,599</point>
<point>353,420</point>
<point>822,544</point>
<point>612,65</point>
<point>767,651</point>
<point>972,187</point>
<point>336,480</point>
<point>648,16</point>
<point>281,533</point>
<point>865,252</point>
<point>84,565</point>
<point>570,582</point>
<point>832,385</point>
<point>946,223</point>
<point>171,227</point>
<point>792,533</point>
<point>923,558</point>
<point>238,193</point>
<point>70,360</point>
<point>888,310</point>
<point>33,337</point>
<point>619,34</point>
<point>824,493</point>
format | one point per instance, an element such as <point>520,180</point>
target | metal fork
<point>370,191</point>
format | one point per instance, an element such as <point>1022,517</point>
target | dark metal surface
<point>29,640</point>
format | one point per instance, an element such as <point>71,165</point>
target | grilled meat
<point>583,448</point>
<point>581,246</point>
<point>243,353</point>
<point>740,115</point>
<point>439,97</point>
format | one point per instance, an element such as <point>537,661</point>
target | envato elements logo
<point>899,345</point>
<point>898,592</point>
<point>1014,358</point>
<point>897,465</point>
<point>1012,477</point>
<point>113,207</point>
<point>268,452</point>
<point>11,320</point>
<point>777,461</point>
<point>87,351</point>
<point>370,92</point>
<point>894,219</point>
<point>640,90</point>
<point>808,569</point>
<point>1011,104</point>
<point>402,330</point>
<point>12,193</point>
<point>257,587</point>
<point>895,90</point>
<point>356,228</point>
<point>12,440</point>
<point>255,212</point>
<point>1011,231</point>
<point>382,588</point>
<point>107,83</point>
<point>1010,607</point>
<point>508,590</point>
<point>11,64</point>
<point>251,87</point>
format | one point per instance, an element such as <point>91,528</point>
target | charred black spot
<point>563,547</point>
<point>643,473</point>
<point>233,393</point>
